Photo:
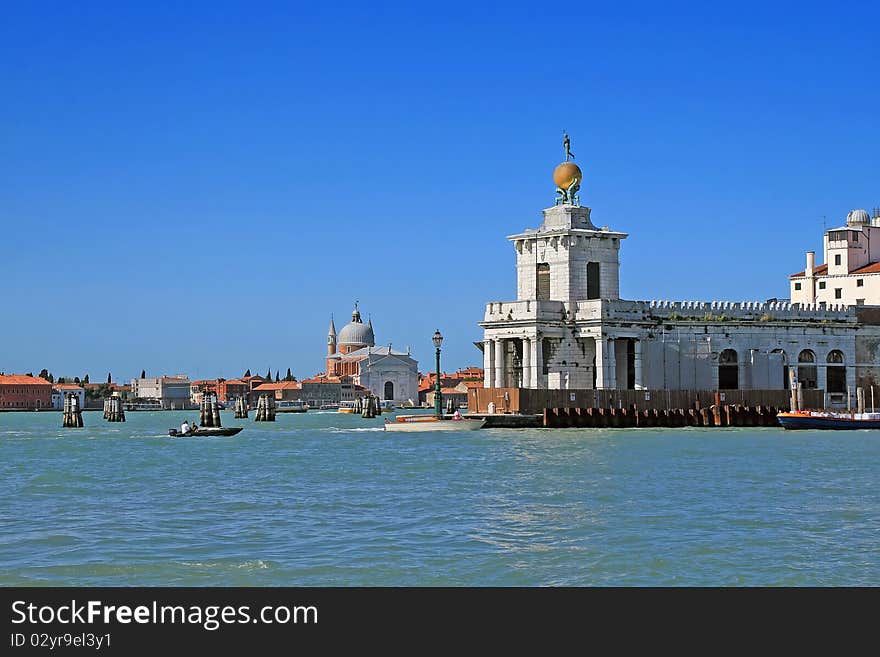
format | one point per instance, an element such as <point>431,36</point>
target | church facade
<point>568,328</point>
<point>388,374</point>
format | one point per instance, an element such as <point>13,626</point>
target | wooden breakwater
<point>530,401</point>
<point>726,415</point>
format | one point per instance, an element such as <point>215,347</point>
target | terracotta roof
<point>22,379</point>
<point>817,271</point>
<point>472,384</point>
<point>235,382</point>
<point>67,386</point>
<point>873,268</point>
<point>281,385</point>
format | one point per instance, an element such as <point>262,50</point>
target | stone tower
<point>331,338</point>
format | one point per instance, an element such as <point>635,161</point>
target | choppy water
<point>330,499</point>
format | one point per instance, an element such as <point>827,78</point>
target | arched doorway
<point>835,372</point>
<point>389,390</point>
<point>807,373</point>
<point>728,370</point>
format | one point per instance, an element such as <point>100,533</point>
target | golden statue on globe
<point>567,176</point>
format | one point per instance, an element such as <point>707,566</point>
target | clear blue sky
<point>197,186</point>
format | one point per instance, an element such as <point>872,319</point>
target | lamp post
<point>438,402</point>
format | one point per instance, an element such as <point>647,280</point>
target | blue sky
<point>197,186</point>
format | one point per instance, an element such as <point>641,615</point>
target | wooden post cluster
<point>370,406</point>
<point>209,411</point>
<point>72,414</point>
<point>113,410</point>
<point>241,409</point>
<point>265,409</point>
<point>727,415</point>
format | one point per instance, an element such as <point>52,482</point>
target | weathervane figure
<point>566,143</point>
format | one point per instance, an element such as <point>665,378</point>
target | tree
<point>50,378</point>
<point>76,379</point>
<point>109,378</point>
<point>248,373</point>
<point>289,376</point>
<point>277,377</point>
<point>44,374</point>
<point>86,379</point>
<point>143,374</point>
<point>269,374</point>
<point>61,379</point>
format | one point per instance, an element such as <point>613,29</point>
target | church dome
<point>356,333</point>
<point>857,217</point>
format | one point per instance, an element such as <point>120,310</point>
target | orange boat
<point>432,423</point>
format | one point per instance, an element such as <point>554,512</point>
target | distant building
<point>322,389</point>
<point>459,382</point>
<point>22,392</point>
<point>386,373</point>
<point>172,392</point>
<point>281,390</point>
<point>61,390</point>
<point>850,274</point>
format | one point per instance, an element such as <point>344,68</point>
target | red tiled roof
<point>472,384</point>
<point>873,268</point>
<point>67,386</point>
<point>281,385</point>
<point>817,271</point>
<point>235,382</point>
<point>22,379</point>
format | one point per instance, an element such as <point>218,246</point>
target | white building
<point>568,328</point>
<point>59,390</point>
<point>386,373</point>
<point>851,272</point>
<point>172,392</point>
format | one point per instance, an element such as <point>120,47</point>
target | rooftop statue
<point>566,144</point>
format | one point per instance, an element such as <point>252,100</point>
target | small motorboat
<point>346,407</point>
<point>828,420</point>
<point>205,431</point>
<point>432,423</point>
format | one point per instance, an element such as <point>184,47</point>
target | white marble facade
<point>572,331</point>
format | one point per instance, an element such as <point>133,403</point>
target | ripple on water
<point>311,501</point>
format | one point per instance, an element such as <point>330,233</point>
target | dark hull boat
<point>826,420</point>
<point>206,431</point>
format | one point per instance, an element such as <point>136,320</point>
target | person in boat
<point>456,415</point>
<point>194,427</point>
<point>184,428</point>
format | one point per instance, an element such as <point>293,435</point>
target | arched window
<point>389,390</point>
<point>807,373</point>
<point>835,372</point>
<point>728,370</point>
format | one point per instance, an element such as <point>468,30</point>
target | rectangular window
<point>821,285</point>
<point>797,286</point>
<point>837,259</point>
<point>542,282</point>
<point>860,282</point>
<point>593,291</point>
<point>838,293</point>
<point>855,237</point>
<point>860,302</point>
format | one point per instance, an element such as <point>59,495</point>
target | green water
<point>331,499</point>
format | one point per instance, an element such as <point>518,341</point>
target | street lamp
<point>438,402</point>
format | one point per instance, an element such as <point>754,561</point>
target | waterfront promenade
<point>331,499</point>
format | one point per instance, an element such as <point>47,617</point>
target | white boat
<point>432,423</point>
<point>346,407</point>
<point>291,406</point>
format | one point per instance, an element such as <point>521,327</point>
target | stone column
<point>526,363</point>
<point>606,368</point>
<point>488,363</point>
<point>537,364</point>
<point>499,363</point>
<point>637,364</point>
